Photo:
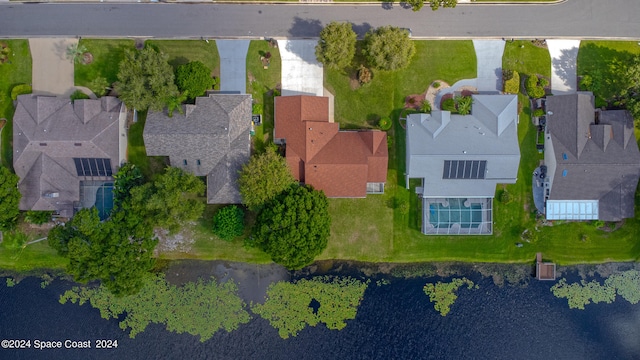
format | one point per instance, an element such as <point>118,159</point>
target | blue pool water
<point>456,213</point>
<point>104,200</point>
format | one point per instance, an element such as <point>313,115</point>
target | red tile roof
<point>338,162</point>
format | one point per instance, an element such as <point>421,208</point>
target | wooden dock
<point>544,270</point>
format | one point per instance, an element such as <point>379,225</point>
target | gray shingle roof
<point>602,160</point>
<point>489,133</point>
<point>212,137</point>
<point>48,133</point>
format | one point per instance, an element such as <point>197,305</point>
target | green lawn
<point>261,83</point>
<point>137,153</point>
<point>526,58</point>
<point>107,54</point>
<point>35,256</point>
<point>16,71</point>
<point>183,51</point>
<point>362,107</point>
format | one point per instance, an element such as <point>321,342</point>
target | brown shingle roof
<point>338,162</point>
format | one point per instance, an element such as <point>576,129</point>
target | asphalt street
<point>572,18</point>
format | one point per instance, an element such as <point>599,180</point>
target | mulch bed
<point>414,101</point>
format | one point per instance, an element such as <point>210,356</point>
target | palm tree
<point>75,52</point>
<point>175,103</point>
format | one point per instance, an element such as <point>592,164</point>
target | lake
<point>394,321</point>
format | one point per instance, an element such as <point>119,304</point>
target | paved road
<point>573,18</point>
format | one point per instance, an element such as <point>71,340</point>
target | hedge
<point>20,89</point>
<point>512,85</point>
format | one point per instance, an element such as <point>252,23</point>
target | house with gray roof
<point>211,138</point>
<point>66,153</point>
<point>592,161</point>
<point>460,160</point>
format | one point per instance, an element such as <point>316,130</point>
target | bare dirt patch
<point>179,242</point>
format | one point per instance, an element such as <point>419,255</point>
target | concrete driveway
<point>52,72</point>
<point>233,65</point>
<point>564,55</point>
<point>489,56</point>
<point>301,71</point>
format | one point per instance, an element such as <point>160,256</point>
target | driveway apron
<point>301,71</point>
<point>233,65</point>
<point>489,56</point>
<point>52,72</point>
<point>564,55</point>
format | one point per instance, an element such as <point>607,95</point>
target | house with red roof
<point>344,164</point>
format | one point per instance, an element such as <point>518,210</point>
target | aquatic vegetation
<point>198,308</point>
<point>290,307</point>
<point>626,284</point>
<point>443,295</point>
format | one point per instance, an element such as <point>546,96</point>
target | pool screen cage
<point>457,216</point>
<point>98,194</point>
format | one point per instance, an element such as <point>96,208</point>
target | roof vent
<point>77,144</point>
<point>43,144</point>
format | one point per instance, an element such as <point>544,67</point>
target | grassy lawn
<point>363,106</point>
<point>107,54</point>
<point>34,256</point>
<point>261,83</point>
<point>183,51</point>
<point>526,58</point>
<point>16,71</point>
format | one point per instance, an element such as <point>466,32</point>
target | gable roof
<point>48,133</point>
<point>210,139</point>
<point>488,134</point>
<point>339,162</point>
<point>592,161</point>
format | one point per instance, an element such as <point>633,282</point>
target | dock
<point>544,270</point>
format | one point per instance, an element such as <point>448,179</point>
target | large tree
<point>388,48</point>
<point>9,198</point>
<point>337,45</point>
<point>294,227</point>
<point>111,251</point>
<point>145,80</point>
<point>263,178</point>
<point>194,78</point>
<point>170,200</point>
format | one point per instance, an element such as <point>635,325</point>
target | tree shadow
<point>361,29</point>
<point>387,5</point>
<point>566,67</point>
<point>305,28</point>
<point>180,60</point>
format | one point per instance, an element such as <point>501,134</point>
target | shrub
<point>464,104</point>
<point>364,75</point>
<point>543,82</point>
<point>511,83</point>
<point>99,86</point>
<point>384,124</point>
<point>449,105</point>
<point>78,95</point>
<point>38,217</point>
<point>533,88</point>
<point>505,197</point>
<point>425,107</point>
<point>257,109</point>
<point>416,5</point>
<point>507,74</point>
<point>228,222</point>
<point>21,89</point>
<point>436,84</point>
<point>194,78</point>
<point>538,112</point>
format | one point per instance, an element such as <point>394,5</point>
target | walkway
<point>564,55</point>
<point>52,72</point>
<point>301,71</point>
<point>233,65</point>
<point>489,55</point>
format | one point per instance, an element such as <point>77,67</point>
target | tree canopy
<point>108,251</point>
<point>294,227</point>
<point>145,80</point>
<point>194,78</point>
<point>388,48</point>
<point>170,200</point>
<point>9,198</point>
<point>263,178</point>
<point>337,45</point>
